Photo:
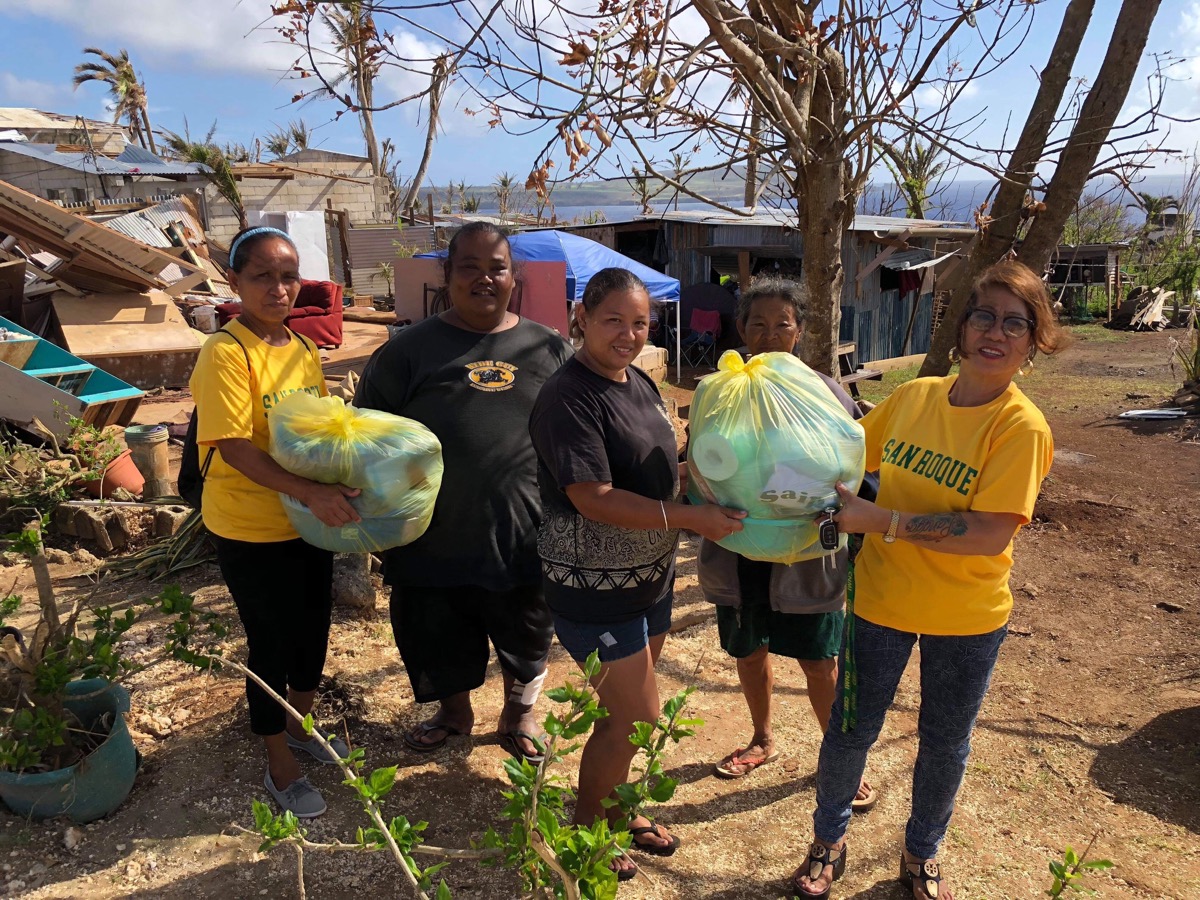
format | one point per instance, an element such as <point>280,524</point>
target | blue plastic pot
<point>98,783</point>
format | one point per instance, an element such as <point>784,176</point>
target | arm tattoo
<point>936,527</point>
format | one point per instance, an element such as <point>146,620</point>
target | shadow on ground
<point>1157,768</point>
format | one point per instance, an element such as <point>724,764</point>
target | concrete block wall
<point>366,203</point>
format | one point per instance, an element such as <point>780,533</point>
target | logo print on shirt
<point>491,375</point>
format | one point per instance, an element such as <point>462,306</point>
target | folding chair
<point>699,345</point>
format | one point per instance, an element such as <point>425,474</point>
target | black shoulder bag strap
<point>249,375</point>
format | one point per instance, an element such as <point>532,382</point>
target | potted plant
<point>105,464</point>
<point>64,744</point>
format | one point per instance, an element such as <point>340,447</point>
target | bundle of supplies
<point>395,462</point>
<point>770,438</point>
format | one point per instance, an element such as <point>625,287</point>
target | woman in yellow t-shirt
<point>960,462</point>
<point>282,586</point>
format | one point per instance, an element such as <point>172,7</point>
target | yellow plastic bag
<point>768,437</point>
<point>395,462</point>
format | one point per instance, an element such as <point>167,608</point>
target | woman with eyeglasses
<point>960,460</point>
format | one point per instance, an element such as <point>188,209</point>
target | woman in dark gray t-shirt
<point>609,478</point>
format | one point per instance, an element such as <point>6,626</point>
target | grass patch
<point>875,391</point>
<point>1094,333</point>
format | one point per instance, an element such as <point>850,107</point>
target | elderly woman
<point>282,586</point>
<point>770,609</point>
<point>961,461</point>
<point>471,375</point>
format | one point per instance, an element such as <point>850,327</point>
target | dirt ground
<point>1091,728</point>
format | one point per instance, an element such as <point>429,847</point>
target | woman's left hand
<point>858,516</point>
<point>683,478</point>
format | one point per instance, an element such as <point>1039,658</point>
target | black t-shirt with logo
<point>475,392</point>
<point>588,428</point>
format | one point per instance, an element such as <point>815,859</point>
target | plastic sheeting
<point>584,258</point>
<point>395,462</point>
<point>768,437</point>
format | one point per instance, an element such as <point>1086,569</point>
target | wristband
<point>663,507</point>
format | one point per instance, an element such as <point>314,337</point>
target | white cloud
<point>26,92</point>
<point>218,36</point>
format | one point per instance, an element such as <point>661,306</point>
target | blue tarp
<point>584,258</point>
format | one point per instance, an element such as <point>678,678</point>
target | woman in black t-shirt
<point>471,375</point>
<point>609,480</point>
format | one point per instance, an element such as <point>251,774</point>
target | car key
<point>828,530</point>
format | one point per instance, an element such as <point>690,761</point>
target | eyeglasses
<point>1012,326</point>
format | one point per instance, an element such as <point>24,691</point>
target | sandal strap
<point>927,875</point>
<point>820,856</point>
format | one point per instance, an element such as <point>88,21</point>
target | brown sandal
<point>924,876</point>
<point>820,856</point>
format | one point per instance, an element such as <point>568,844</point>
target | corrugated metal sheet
<point>369,246</point>
<point>775,218</point>
<point>95,164</point>
<point>875,319</point>
<point>683,262</point>
<point>146,225</point>
<point>917,258</point>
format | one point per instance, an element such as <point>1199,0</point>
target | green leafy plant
<point>387,272</point>
<point>95,448</point>
<point>554,858</point>
<point>1069,872</point>
<point>37,732</point>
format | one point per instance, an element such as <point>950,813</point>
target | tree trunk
<point>991,245</point>
<point>438,79</point>
<point>752,159</point>
<point>826,212</point>
<point>1096,118</point>
<point>824,221</point>
<point>366,99</point>
<point>149,133</point>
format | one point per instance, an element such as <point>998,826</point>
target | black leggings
<point>284,596</point>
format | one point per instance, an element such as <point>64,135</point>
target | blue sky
<point>213,60</point>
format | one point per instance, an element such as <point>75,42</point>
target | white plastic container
<point>205,319</point>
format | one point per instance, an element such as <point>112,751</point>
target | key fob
<point>828,530</point>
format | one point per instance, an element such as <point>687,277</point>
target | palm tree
<point>126,90</point>
<point>916,168</point>
<point>283,141</point>
<point>438,80</point>
<point>206,152</point>
<point>503,186</point>
<point>356,40</point>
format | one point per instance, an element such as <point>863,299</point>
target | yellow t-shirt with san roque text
<point>233,402</point>
<point>936,458</point>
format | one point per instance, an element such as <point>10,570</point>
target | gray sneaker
<point>300,798</point>
<point>316,751</point>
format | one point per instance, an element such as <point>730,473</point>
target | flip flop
<point>725,769</point>
<point>867,803</point>
<point>653,849</point>
<point>625,874</point>
<point>509,741</point>
<point>412,741</point>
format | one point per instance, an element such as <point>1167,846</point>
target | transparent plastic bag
<point>769,437</point>
<point>395,462</point>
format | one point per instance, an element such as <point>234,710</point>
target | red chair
<point>317,313</point>
<point>699,345</point>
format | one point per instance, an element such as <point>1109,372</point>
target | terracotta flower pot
<point>120,473</point>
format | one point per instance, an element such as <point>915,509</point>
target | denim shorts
<point>613,640</point>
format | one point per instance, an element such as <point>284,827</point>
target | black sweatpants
<point>284,596</point>
<point>442,634</point>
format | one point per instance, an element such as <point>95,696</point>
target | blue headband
<point>254,232</point>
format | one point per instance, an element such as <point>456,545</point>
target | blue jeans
<point>955,673</point>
